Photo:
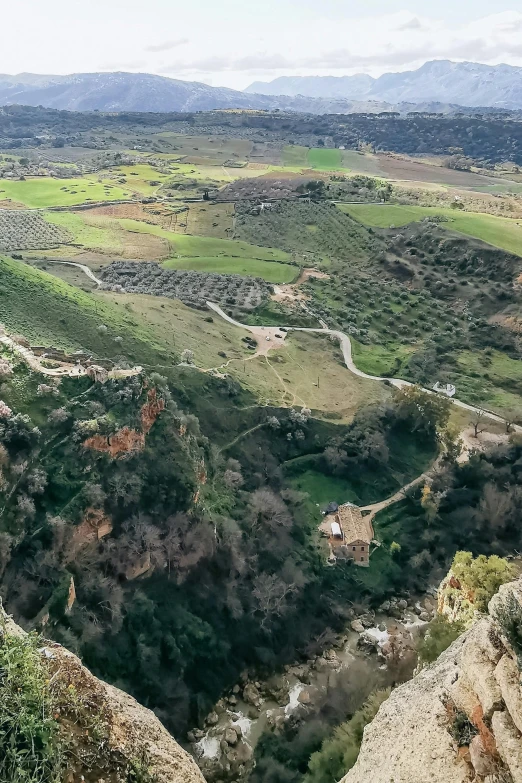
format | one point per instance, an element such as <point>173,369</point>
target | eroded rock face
<point>129,730</point>
<point>457,720</point>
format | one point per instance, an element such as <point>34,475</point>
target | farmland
<point>21,230</point>
<point>47,192</point>
<point>504,233</point>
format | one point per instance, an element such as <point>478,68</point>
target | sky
<point>232,43</point>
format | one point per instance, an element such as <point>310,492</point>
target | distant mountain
<point>465,84</point>
<point>142,92</point>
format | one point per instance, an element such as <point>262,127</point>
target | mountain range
<point>439,85</point>
<point>465,84</point>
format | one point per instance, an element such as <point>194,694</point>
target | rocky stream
<point>375,646</point>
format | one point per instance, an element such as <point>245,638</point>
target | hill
<point>467,84</point>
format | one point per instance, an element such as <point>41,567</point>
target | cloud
<point>260,61</point>
<point>167,45</point>
<point>413,24</point>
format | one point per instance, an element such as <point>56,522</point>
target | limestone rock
<point>212,719</point>
<point>481,674</point>
<point>508,678</point>
<point>411,739</point>
<point>408,740</point>
<point>509,744</point>
<point>357,626</point>
<point>483,763</point>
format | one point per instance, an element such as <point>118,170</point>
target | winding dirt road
<point>346,348</point>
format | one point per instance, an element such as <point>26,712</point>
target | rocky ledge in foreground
<point>93,731</point>
<point>460,719</point>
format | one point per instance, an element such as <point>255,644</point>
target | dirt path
<point>90,274</point>
<point>35,363</point>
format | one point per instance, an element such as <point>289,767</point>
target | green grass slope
<point>227,265</point>
<point>49,311</point>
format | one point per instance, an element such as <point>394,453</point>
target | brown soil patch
<point>151,410</point>
<point>9,204</point>
<point>291,292</point>
<point>511,322</point>
<point>155,214</point>
<point>123,442</point>
<point>400,168</point>
<point>126,440</point>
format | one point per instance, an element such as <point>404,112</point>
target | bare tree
<point>477,422</point>
<point>271,596</point>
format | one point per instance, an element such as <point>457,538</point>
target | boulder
<point>424,616</point>
<point>402,604</point>
<point>304,697</point>
<point>357,626</point>
<point>240,754</point>
<point>385,606</point>
<point>368,620</point>
<point>230,736</point>
<point>251,695</point>
<point>367,643</point>
<point>211,719</point>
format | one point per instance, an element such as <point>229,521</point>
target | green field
<point>207,247</point>
<point>47,192</point>
<point>325,159</point>
<point>504,233</point>
<point>270,271</point>
<point>92,237</point>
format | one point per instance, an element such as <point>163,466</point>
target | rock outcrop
<point>460,719</point>
<point>125,731</point>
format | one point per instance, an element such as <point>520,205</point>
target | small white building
<point>336,530</point>
<point>445,388</point>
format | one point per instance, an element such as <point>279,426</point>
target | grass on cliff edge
<point>48,311</point>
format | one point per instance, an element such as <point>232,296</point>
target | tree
<point>187,356</point>
<point>477,422</point>
<point>438,637</point>
<point>481,576</point>
<point>425,410</point>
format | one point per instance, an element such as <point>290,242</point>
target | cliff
<point>461,718</point>
<point>94,731</point>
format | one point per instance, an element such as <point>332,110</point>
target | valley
<point>216,329</point>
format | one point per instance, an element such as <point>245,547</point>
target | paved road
<point>346,347</point>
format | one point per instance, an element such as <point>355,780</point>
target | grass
<point>88,235</point>
<point>295,155</point>
<point>270,271</point>
<point>379,359</point>
<point>323,489</point>
<point>29,735</point>
<point>504,233</point>
<point>325,159</point>
<point>44,192</point>
<point>308,372</point>
<point>182,327</point>
<point>49,311</point>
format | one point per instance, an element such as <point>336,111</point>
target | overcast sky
<point>234,42</point>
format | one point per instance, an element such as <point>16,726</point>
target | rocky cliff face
<point>460,719</point>
<point>106,732</point>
